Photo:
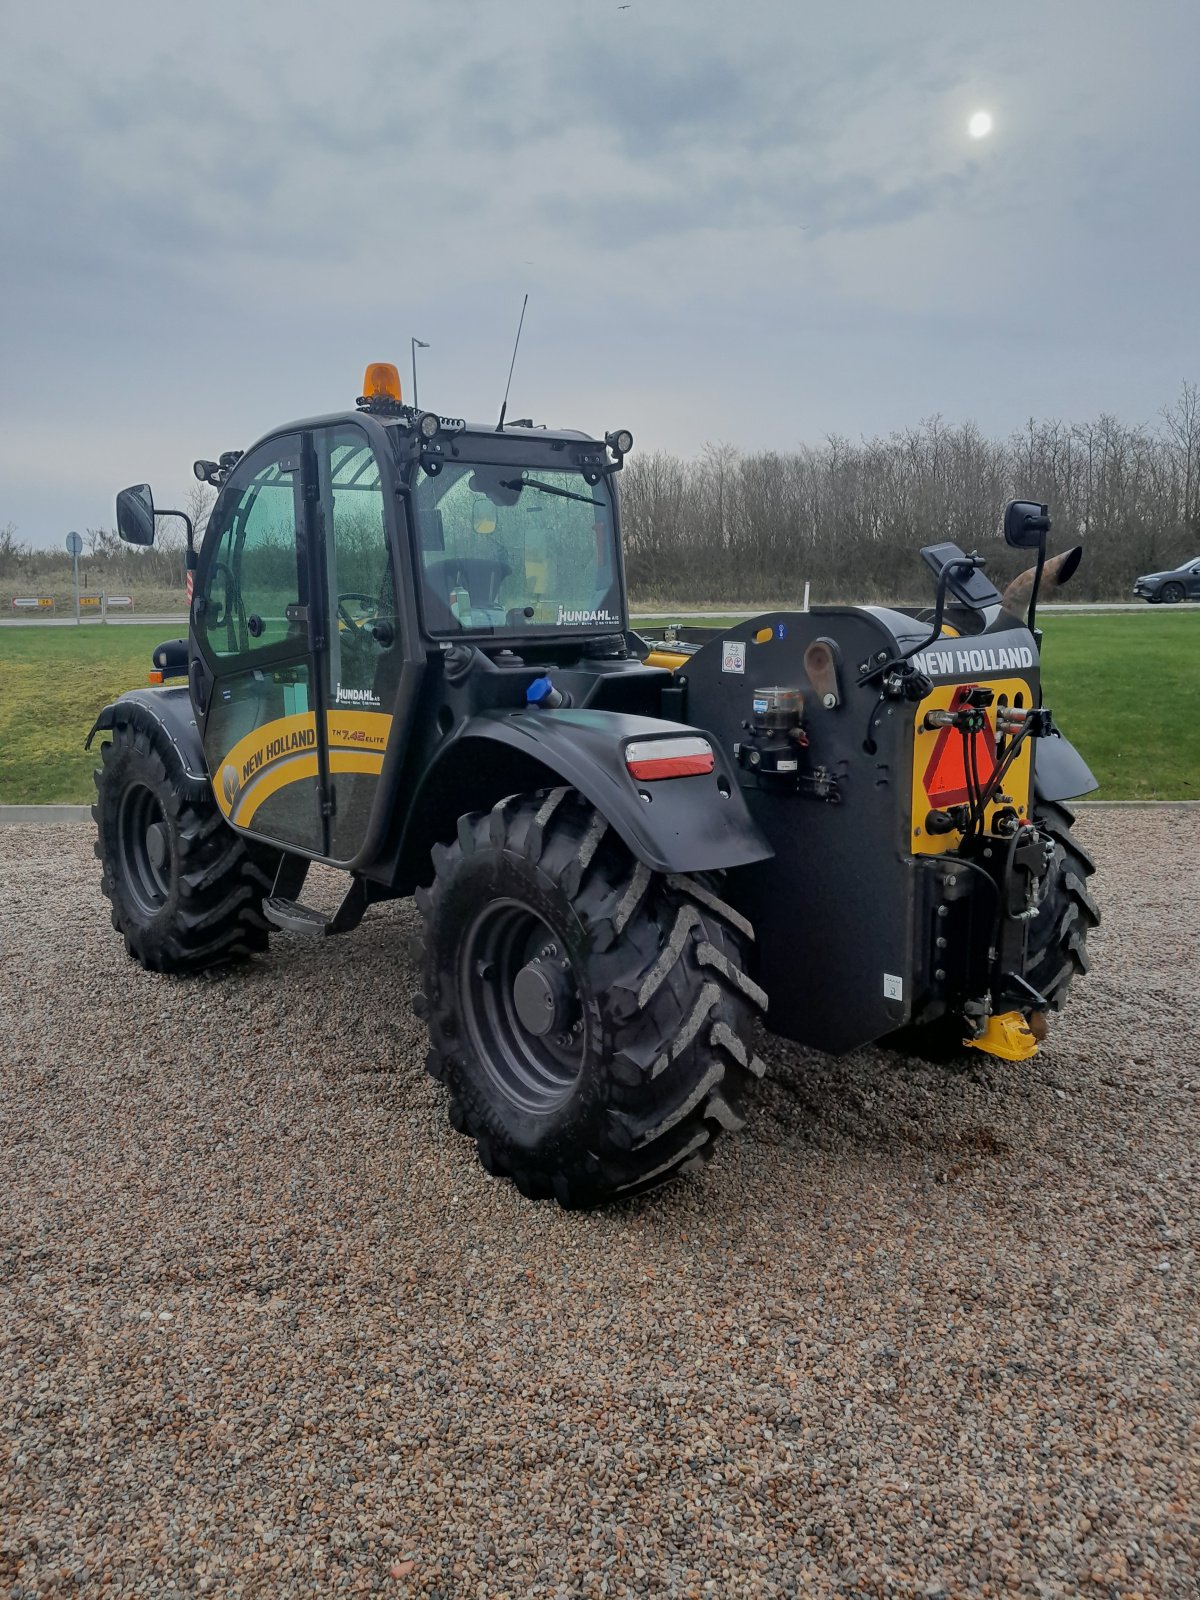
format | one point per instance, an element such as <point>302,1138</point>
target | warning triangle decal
<point>945,777</point>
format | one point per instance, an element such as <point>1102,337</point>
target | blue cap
<point>540,689</point>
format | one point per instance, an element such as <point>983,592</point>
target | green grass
<point>53,681</point>
<point>1124,688</point>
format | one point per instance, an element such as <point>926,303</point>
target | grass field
<point>1124,688</point>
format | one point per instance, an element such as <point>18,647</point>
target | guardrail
<point>90,605</point>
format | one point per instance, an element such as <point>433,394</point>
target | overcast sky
<point>751,222</point>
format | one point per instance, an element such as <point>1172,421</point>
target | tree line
<point>731,527</point>
<point>728,526</point>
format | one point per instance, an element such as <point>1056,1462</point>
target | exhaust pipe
<point>1057,571</point>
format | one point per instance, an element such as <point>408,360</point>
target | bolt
<point>941,943</point>
<point>943,911</point>
<point>940,974</point>
<point>951,881</point>
<point>829,701</point>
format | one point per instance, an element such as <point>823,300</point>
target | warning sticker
<point>733,655</point>
<point>893,986</point>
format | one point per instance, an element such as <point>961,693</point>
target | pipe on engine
<point>1057,571</point>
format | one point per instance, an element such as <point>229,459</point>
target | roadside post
<point>74,546</point>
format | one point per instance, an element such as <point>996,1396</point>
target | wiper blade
<point>548,488</point>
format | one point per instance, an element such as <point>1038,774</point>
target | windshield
<point>506,547</point>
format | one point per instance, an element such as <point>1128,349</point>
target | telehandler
<point>409,658</point>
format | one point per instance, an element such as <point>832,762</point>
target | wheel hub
<point>542,997</point>
<point>156,844</point>
<point>522,1009</point>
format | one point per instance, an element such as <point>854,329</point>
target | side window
<point>362,583</point>
<point>254,583</point>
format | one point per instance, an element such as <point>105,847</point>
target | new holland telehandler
<point>409,658</point>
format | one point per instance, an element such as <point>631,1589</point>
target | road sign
<point>74,544</point>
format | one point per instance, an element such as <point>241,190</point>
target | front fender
<point>166,715</point>
<point>1059,771</point>
<point>691,824</point>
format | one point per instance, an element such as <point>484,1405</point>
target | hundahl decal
<point>584,619</point>
<point>355,697</point>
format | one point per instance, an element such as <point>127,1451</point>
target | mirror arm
<point>1031,619</point>
<point>183,516</point>
<point>939,611</point>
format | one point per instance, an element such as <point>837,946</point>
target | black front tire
<point>1171,593</point>
<point>647,1060</point>
<point>186,890</point>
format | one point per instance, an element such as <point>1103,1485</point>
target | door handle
<point>200,683</point>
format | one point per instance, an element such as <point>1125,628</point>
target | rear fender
<point>1059,771</point>
<point>164,714</point>
<point>690,824</point>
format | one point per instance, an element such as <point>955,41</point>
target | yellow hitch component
<point>1008,1036</point>
<point>671,659</point>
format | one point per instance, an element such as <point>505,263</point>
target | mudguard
<point>1059,771</point>
<point>168,711</point>
<point>690,824</point>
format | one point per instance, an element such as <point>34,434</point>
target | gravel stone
<point>267,1329</point>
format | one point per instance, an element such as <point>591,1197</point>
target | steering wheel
<point>359,626</point>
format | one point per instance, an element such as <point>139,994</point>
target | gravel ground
<point>267,1328</point>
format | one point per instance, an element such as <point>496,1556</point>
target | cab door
<point>256,686</point>
<point>361,664</point>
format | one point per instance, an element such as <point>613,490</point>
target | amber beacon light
<point>381,381</point>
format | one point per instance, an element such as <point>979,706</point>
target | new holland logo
<point>229,784</point>
<point>952,663</point>
<point>586,618</point>
<point>355,697</point>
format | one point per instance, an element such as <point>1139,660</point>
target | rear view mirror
<point>135,515</point>
<point>1026,524</point>
<point>483,515</point>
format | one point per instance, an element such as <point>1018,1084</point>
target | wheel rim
<point>521,1006</point>
<point>145,851</point>
<point>1172,594</point>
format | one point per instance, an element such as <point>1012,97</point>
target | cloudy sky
<point>747,221</point>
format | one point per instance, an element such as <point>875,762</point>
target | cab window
<point>254,584</point>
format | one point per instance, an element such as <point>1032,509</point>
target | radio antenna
<point>511,365</point>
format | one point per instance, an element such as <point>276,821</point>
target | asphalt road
<point>179,619</point>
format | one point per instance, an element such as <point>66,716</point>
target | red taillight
<point>649,759</point>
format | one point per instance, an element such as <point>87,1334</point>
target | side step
<point>293,917</point>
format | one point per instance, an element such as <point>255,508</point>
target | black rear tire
<point>1057,945</point>
<point>1057,948</point>
<point>186,890</point>
<point>646,1057</point>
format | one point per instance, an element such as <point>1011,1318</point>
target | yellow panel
<point>671,659</point>
<point>283,751</point>
<point>1016,783</point>
<point>276,742</point>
